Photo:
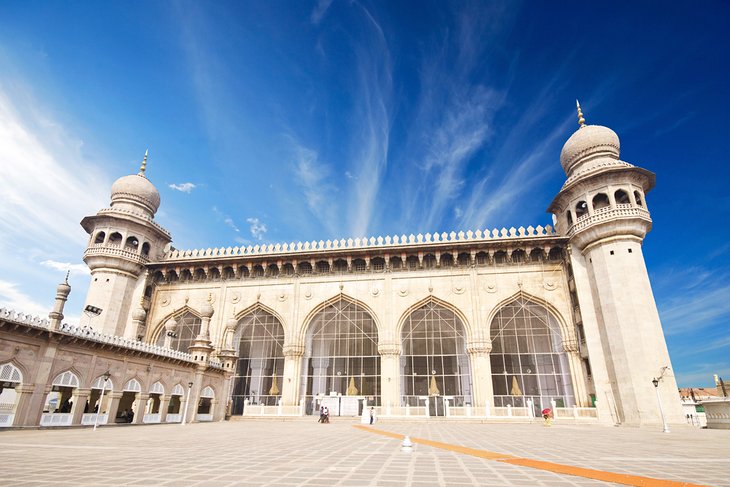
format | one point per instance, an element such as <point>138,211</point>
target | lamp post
<point>655,381</point>
<point>187,404</point>
<point>101,399</point>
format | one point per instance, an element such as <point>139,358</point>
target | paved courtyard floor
<point>344,453</point>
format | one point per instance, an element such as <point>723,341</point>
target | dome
<point>232,324</point>
<point>139,314</point>
<point>137,190</point>
<point>171,324</point>
<point>206,310</point>
<point>589,142</point>
<point>63,289</point>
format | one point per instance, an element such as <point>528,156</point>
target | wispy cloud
<point>12,298</point>
<point>227,220</point>
<point>67,266</point>
<point>258,229</point>
<point>319,11</point>
<point>696,311</point>
<point>183,187</point>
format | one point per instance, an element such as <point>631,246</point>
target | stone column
<point>140,407</point>
<point>164,403</point>
<point>114,398</point>
<point>292,370</point>
<point>56,316</point>
<point>481,370</point>
<point>80,397</point>
<point>389,374</point>
<point>22,406</point>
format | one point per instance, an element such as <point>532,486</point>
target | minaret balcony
<point>108,250</point>
<point>609,214</point>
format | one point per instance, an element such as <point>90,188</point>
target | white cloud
<point>258,229</point>
<point>698,310</point>
<point>183,187</point>
<point>12,298</point>
<point>319,11</point>
<point>67,266</point>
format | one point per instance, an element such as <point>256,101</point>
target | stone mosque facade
<point>485,324</point>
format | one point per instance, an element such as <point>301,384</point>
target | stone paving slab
<point>268,453</point>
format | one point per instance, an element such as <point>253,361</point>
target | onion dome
<point>139,314</point>
<point>588,143</point>
<point>64,289</point>
<point>171,324</point>
<point>232,324</point>
<point>206,311</point>
<point>136,190</point>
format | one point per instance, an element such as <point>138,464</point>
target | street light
<point>187,404</point>
<point>655,381</point>
<point>101,398</point>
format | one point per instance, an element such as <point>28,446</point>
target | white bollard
<point>407,445</point>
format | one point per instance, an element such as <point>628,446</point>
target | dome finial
<point>144,163</point>
<point>581,120</point>
<point>68,272</point>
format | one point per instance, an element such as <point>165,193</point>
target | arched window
<point>500,257</point>
<point>305,268</point>
<point>288,269</point>
<point>464,259</point>
<point>228,273</point>
<point>581,208</point>
<point>340,266</point>
<point>131,243</point>
<point>243,271</point>
<point>259,342</point>
<point>412,262</point>
<point>434,361</point>
<point>396,263</point>
<point>10,378</point>
<point>637,197</point>
<point>188,327</point>
<point>537,255</point>
<point>378,264</point>
<point>527,357</point>
<point>214,274</point>
<point>519,255</point>
<point>171,276</point>
<point>99,238</point>
<point>359,265</point>
<point>556,254</point>
<point>429,261</point>
<point>482,258</point>
<point>342,357</point>
<point>447,260</point>
<point>115,238</point>
<point>569,217</point>
<point>622,197</point>
<point>199,274</point>
<point>600,201</point>
<point>272,270</point>
<point>185,275</point>
<point>258,271</point>
<point>323,267</point>
<point>145,249</point>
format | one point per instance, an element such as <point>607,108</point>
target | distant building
<point>482,323</point>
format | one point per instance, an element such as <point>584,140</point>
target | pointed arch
<point>132,385</point>
<point>260,306</point>
<point>177,390</point>
<point>331,301</point>
<point>68,378</point>
<point>157,388</point>
<point>436,300</point>
<point>208,392</point>
<point>10,372</point>
<point>565,328</point>
<point>99,383</point>
<point>160,325</point>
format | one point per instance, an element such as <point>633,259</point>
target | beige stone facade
<point>489,323</point>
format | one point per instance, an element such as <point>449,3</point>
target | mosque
<point>485,324</point>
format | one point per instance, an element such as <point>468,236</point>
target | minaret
<point>62,292</point>
<point>602,209</point>
<point>123,239</point>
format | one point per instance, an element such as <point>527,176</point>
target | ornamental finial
<point>68,272</point>
<point>581,120</point>
<point>144,163</point>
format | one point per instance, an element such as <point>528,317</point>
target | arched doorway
<point>435,371</point>
<point>528,360</point>
<point>205,405</point>
<point>96,405</point>
<point>341,359</point>
<point>259,342</point>
<point>10,378</point>
<point>58,408</point>
<point>127,403</point>
<point>173,409</point>
<point>154,402</point>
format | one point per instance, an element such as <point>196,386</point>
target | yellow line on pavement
<point>588,473</point>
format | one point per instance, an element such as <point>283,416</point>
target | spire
<point>144,164</point>
<point>68,272</point>
<point>581,120</point>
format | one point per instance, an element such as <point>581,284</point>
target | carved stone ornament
<point>550,285</point>
<point>375,291</point>
<point>459,289</point>
<point>490,287</point>
<point>235,297</point>
<point>403,291</point>
<point>308,293</point>
<point>281,296</point>
<point>165,300</point>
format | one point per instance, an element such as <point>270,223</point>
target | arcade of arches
<point>341,362</point>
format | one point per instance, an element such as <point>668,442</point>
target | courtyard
<point>303,452</point>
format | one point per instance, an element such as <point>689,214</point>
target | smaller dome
<point>139,314</point>
<point>136,189</point>
<point>589,142</point>
<point>63,289</point>
<point>171,324</point>
<point>232,324</point>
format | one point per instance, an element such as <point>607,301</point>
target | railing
<point>56,419</point>
<point>606,213</point>
<point>101,249</point>
<point>90,418</point>
<point>576,413</point>
<point>138,215</point>
<point>6,420</point>
<point>173,418</point>
<point>151,418</point>
<point>360,243</point>
<point>204,417</point>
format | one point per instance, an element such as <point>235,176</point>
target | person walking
<point>372,415</point>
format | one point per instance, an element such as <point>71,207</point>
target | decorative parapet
<point>608,213</point>
<point>364,243</point>
<point>94,336</point>
<point>117,251</point>
<point>107,211</point>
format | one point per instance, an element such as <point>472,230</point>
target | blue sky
<point>284,121</point>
